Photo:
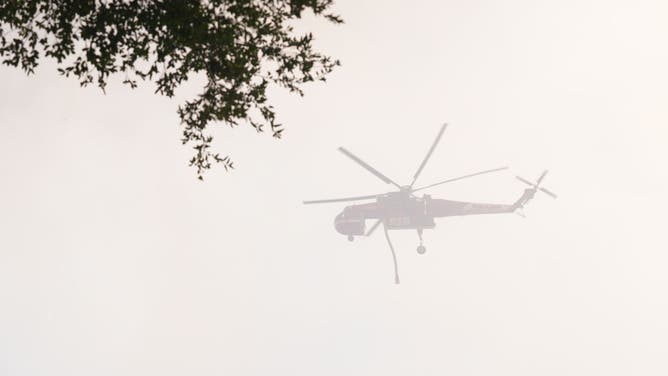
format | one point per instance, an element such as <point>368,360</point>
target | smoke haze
<point>115,260</point>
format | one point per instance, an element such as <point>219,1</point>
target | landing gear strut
<point>351,238</point>
<point>421,248</point>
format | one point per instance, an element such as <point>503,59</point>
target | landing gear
<point>421,248</point>
<point>351,238</point>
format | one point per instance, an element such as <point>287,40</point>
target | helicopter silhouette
<point>403,210</point>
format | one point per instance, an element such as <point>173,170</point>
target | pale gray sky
<point>115,260</point>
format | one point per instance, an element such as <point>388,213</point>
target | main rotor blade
<point>540,179</point>
<point>431,150</point>
<point>341,199</point>
<point>461,177</point>
<point>374,227</point>
<point>545,190</point>
<point>369,168</point>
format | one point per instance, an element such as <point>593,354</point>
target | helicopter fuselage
<point>404,211</point>
<point>397,210</point>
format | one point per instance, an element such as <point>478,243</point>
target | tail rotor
<point>536,186</point>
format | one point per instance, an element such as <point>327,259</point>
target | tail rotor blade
<point>542,176</point>
<point>525,181</point>
<point>537,183</point>
<point>549,193</point>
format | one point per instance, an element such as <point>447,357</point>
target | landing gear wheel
<point>351,238</point>
<point>420,249</point>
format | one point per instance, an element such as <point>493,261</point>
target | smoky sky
<point>114,259</point>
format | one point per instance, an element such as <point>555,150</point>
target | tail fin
<point>524,199</point>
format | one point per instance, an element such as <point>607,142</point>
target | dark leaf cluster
<point>240,46</point>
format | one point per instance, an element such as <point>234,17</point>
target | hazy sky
<point>115,260</point>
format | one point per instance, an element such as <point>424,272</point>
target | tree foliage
<point>241,46</point>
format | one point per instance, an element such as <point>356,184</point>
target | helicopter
<point>404,210</point>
